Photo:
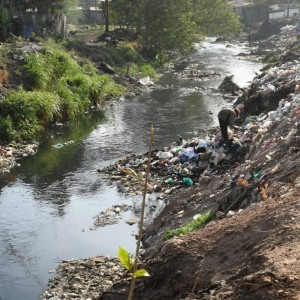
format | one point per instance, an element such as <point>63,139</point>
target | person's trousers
<point>223,127</point>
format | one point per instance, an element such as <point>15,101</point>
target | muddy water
<point>48,204</point>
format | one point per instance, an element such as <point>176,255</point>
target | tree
<point>105,9</point>
<point>128,12</point>
<point>216,17</point>
<point>4,21</point>
<point>172,28</point>
<point>173,24</point>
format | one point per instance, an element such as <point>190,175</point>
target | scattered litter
<point>60,145</point>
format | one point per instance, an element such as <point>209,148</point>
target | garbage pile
<point>177,166</point>
<point>273,94</point>
<point>9,155</point>
<point>181,164</point>
<point>269,88</point>
<point>84,278</point>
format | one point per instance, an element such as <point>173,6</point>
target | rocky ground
<point>11,154</point>
<point>251,248</point>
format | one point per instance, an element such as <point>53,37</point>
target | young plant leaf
<point>140,273</point>
<point>125,258</point>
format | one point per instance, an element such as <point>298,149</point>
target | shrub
<point>139,70</point>
<point>36,72</point>
<point>56,87</point>
<point>271,59</point>
<point>7,132</point>
<point>25,113</point>
<point>148,70</point>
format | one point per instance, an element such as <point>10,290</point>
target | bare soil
<point>252,255</point>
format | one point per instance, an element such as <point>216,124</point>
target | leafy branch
<point>128,263</point>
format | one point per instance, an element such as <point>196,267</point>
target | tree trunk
<point>106,17</point>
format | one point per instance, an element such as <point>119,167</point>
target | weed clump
<point>193,225</point>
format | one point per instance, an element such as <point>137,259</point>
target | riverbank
<point>26,88</point>
<point>251,249</point>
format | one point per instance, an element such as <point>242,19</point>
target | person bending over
<point>227,117</point>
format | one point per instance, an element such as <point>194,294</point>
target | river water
<point>48,204</point>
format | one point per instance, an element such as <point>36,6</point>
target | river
<point>48,204</point>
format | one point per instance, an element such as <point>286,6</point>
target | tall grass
<point>55,87</point>
<point>25,113</point>
<point>37,74</point>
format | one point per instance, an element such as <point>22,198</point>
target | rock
<point>228,86</point>
<point>106,68</point>
<point>133,221</point>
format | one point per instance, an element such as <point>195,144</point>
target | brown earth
<point>250,256</point>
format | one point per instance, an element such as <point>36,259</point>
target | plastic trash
<point>188,152</point>
<point>250,119</point>
<point>202,144</point>
<point>146,81</point>
<point>187,181</point>
<point>164,155</point>
<point>217,157</point>
<point>262,117</point>
<point>256,174</point>
<point>58,146</point>
<point>169,180</point>
<point>183,159</point>
<point>266,124</point>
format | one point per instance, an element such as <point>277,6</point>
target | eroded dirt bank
<point>251,249</point>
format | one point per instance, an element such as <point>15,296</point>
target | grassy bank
<point>58,82</point>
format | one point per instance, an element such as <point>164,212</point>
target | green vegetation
<point>174,25</point>
<point>127,262</point>
<point>55,87</point>
<point>125,58</point>
<point>159,26</point>
<point>271,59</point>
<point>200,222</point>
<point>25,113</point>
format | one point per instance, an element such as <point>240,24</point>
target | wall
<point>281,14</point>
<point>50,24</point>
<point>95,17</point>
<point>277,15</point>
<point>253,14</point>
